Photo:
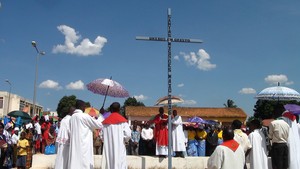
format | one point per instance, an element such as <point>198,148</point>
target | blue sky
<point>248,46</point>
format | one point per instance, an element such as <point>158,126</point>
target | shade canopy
<point>278,93</point>
<point>164,100</point>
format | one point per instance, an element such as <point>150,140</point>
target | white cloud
<point>200,60</point>
<point>274,79</point>
<point>85,48</point>
<point>289,83</point>
<point>78,85</point>
<point>50,84</point>
<point>181,95</point>
<point>176,57</point>
<point>180,85</point>
<point>189,102</point>
<point>247,91</point>
<point>140,97</point>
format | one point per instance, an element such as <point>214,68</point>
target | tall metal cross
<point>169,39</point>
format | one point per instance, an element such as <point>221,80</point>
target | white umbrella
<point>278,93</point>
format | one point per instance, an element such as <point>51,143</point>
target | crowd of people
<point>78,136</point>
<point>19,140</point>
<point>238,147</point>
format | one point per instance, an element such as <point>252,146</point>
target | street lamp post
<point>39,53</point>
<point>7,81</point>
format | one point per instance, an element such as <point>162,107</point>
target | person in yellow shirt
<point>22,151</point>
<point>200,137</point>
<point>192,142</point>
<point>219,131</point>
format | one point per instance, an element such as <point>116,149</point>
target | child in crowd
<point>22,153</point>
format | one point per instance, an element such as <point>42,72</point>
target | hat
<point>7,126</point>
<point>47,117</point>
<point>17,128</point>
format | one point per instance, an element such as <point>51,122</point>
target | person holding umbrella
<point>115,131</point>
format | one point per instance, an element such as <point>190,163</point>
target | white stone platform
<point>41,161</point>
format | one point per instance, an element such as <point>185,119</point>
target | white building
<point>10,102</point>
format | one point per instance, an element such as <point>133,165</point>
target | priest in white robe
<point>63,142</point>
<point>258,153</point>
<point>81,153</point>
<point>116,132</point>
<point>178,137</point>
<point>228,155</point>
<point>293,140</point>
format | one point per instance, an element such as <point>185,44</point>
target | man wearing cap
<point>14,138</point>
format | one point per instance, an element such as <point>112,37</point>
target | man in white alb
<point>81,153</point>
<point>258,153</point>
<point>178,137</point>
<point>293,140</point>
<point>63,141</point>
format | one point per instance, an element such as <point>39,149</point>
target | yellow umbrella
<point>92,111</point>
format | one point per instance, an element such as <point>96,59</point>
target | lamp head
<point>42,53</point>
<point>33,43</point>
<point>7,81</point>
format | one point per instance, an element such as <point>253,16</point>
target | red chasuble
<point>161,130</point>
<point>231,144</point>
<point>114,118</point>
<point>289,115</point>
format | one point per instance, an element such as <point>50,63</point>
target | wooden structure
<point>223,115</point>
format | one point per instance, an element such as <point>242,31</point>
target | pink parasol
<point>107,87</point>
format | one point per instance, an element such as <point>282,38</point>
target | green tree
<point>264,109</point>
<point>230,104</point>
<point>64,104</point>
<point>131,101</point>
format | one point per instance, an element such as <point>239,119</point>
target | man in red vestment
<point>161,133</point>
